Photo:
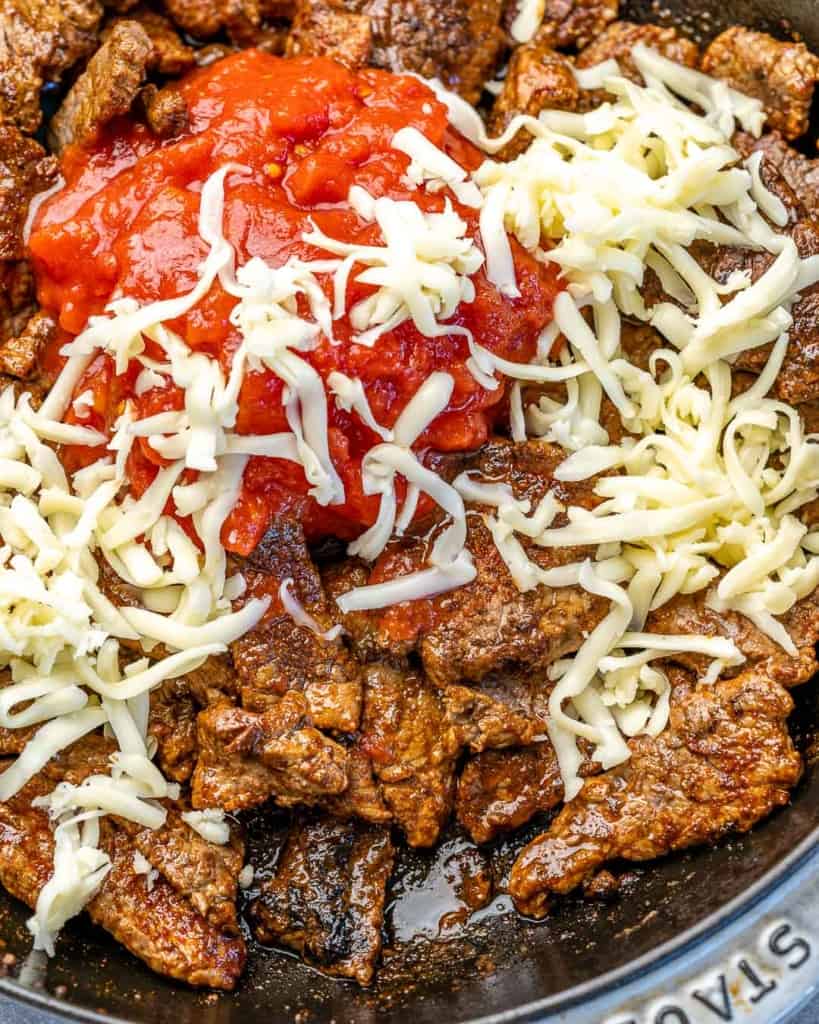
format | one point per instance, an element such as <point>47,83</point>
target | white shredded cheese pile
<point>708,485</point>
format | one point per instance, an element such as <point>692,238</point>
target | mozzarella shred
<point>703,491</point>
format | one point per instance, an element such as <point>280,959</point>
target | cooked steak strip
<point>39,41</point>
<point>537,78</point>
<point>170,54</point>
<point>203,19</point>
<point>172,723</point>
<point>161,927</point>
<point>501,790</point>
<point>569,23</point>
<point>325,29</point>
<point>724,762</point>
<point>279,655</point>
<point>620,38</point>
<point>458,41</point>
<point>245,758</point>
<point>326,899</point>
<point>25,170</point>
<point>166,112</point>
<point>107,87</point>
<point>780,74</point>
<point>202,872</point>
<point>488,626</point>
<point>413,751</point>
<point>19,355</point>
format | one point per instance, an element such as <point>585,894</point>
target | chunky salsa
<point>306,130</point>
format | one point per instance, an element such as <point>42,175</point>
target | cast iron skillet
<point>498,964</point>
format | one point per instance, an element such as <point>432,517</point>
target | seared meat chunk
<point>214,682</point>
<point>538,78</point>
<point>39,41</point>
<point>202,872</point>
<point>172,723</point>
<point>503,789</point>
<point>170,55</point>
<point>18,355</point>
<point>783,163</point>
<point>26,842</point>
<point>279,655</point>
<point>324,29</point>
<point>246,758</point>
<point>499,714</point>
<point>458,41</point>
<point>619,40</point>
<point>780,74</point>
<point>106,88</point>
<point>205,18</point>
<point>488,626</point>
<point>569,23</point>
<point>327,897</point>
<point>689,614</point>
<point>724,762</point>
<point>362,798</point>
<point>413,751</point>
<point>161,927</point>
<point>25,170</point>
<point>16,297</point>
<point>798,379</point>
<point>166,112</point>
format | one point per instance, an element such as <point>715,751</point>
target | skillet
<point>498,964</point>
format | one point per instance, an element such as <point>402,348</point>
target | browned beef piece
<point>89,756</point>
<point>202,872</point>
<point>688,614</point>
<point>324,29</point>
<point>214,682</point>
<point>278,655</point>
<point>25,170</point>
<point>18,355</point>
<point>619,40</point>
<point>26,842</point>
<point>170,55</point>
<point>780,74</point>
<point>107,87</point>
<point>161,927</point>
<point>488,626</point>
<point>362,798</point>
<point>39,40</point>
<point>327,897</point>
<point>783,163</point>
<point>17,304</point>
<point>413,751</point>
<point>172,723</point>
<point>501,790</point>
<point>166,112</point>
<point>724,762</point>
<point>569,23</point>
<point>246,758</point>
<point>205,18</point>
<point>499,714</point>
<point>538,78</point>
<point>458,41</point>
<point>798,380</point>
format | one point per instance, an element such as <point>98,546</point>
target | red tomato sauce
<point>306,130</point>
